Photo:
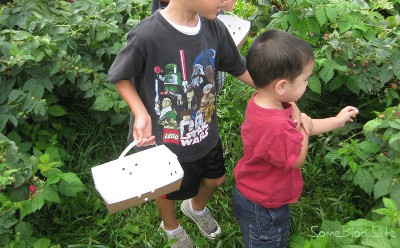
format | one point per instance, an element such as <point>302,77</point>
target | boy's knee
<point>218,182</point>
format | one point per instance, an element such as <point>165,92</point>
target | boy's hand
<point>306,121</point>
<point>142,131</point>
<point>296,117</point>
<point>347,114</point>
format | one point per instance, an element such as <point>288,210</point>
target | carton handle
<point>128,148</point>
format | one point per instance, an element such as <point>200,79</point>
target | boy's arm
<point>142,132</point>
<point>307,121</point>
<point>328,124</point>
<point>246,78</point>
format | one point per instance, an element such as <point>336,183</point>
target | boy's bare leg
<point>206,190</point>
<point>166,209</point>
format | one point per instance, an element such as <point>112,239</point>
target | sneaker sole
<point>201,230</point>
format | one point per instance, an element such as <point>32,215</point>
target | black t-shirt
<point>174,74</point>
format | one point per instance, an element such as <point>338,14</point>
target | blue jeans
<point>260,226</point>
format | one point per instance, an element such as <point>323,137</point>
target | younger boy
<point>166,74</point>
<point>268,176</point>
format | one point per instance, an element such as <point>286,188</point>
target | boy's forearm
<point>128,92</point>
<point>246,78</point>
<point>325,125</point>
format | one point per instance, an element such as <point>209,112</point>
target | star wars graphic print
<point>185,98</point>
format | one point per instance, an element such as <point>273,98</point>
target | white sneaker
<point>182,240</point>
<point>207,225</point>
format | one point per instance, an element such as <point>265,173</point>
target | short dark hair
<point>276,54</point>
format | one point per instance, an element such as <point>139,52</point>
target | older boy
<point>166,70</point>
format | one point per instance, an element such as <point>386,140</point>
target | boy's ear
<point>280,86</point>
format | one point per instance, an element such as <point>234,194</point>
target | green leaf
<point>364,178</point>
<point>55,67</point>
<point>394,142</point>
<point>392,22</point>
<point>132,228</point>
<point>352,85</point>
<point>103,103</point>
<point>7,218</point>
<point>331,13</point>
<point>319,242</point>
<point>344,26</point>
<point>382,187</point>
<point>33,204</point>
<point>24,229</point>
<point>70,177</point>
<point>326,74</point>
<point>40,108</point>
<point>371,126</point>
<point>390,204</point>
<point>336,83</point>
<point>315,84</point>
<point>50,193</point>
<point>21,35</point>
<point>284,22</point>
<point>395,193</point>
<point>34,87</point>
<point>395,124</point>
<point>320,15</point>
<point>53,177</point>
<point>360,223</point>
<point>42,243</point>
<point>313,25</point>
<point>44,159</point>
<point>377,241</point>
<point>369,147</point>
<point>70,188</point>
<point>16,96</point>
<point>56,110</point>
<point>298,241</point>
<point>385,74</point>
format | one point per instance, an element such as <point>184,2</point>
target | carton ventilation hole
<point>136,164</point>
<point>130,173</point>
<point>146,199</point>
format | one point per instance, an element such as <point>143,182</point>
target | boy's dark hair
<point>275,54</point>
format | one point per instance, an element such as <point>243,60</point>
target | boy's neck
<point>265,100</point>
<point>180,15</point>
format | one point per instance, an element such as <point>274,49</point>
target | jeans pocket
<point>265,238</point>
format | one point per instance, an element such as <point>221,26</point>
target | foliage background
<point>59,116</point>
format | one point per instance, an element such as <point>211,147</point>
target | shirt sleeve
<point>129,62</point>
<point>285,149</point>
<point>229,58</point>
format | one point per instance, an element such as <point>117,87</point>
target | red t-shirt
<point>272,144</point>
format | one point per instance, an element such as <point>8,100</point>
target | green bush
<point>56,53</point>
<point>356,44</point>
<point>28,184</point>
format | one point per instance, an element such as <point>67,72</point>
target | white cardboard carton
<point>237,27</point>
<point>132,180</point>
